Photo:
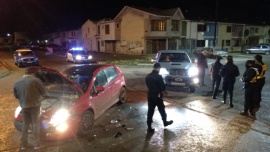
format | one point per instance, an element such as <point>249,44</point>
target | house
<point>66,39</point>
<point>146,31</point>
<point>89,33</point>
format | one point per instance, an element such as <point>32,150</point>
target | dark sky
<point>50,15</point>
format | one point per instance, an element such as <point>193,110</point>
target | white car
<point>216,51</point>
<point>177,69</point>
<point>77,55</point>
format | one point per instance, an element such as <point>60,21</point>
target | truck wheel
<point>192,89</point>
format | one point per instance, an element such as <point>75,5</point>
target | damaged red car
<point>75,98</point>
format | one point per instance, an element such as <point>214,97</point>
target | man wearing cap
<point>229,72</point>
<point>216,78</point>
<point>29,90</point>
<point>260,81</point>
<point>156,86</point>
<point>249,79</point>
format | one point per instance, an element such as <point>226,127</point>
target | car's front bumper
<point>180,81</point>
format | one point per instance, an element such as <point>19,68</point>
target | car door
<point>100,99</point>
<point>115,84</point>
<point>264,49</point>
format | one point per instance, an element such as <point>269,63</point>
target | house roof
<point>154,11</point>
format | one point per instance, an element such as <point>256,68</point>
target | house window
<point>158,25</point>
<point>107,29</point>
<point>236,42</point>
<point>229,29</point>
<point>200,43</point>
<point>256,30</point>
<point>228,43</point>
<point>102,43</point>
<point>175,25</point>
<point>251,29</point>
<point>201,28</point>
<point>73,34</point>
<point>234,29</point>
<point>99,29</point>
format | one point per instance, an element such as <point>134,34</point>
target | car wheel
<point>192,89</point>
<point>86,124</point>
<point>122,95</point>
<point>247,52</point>
<point>267,53</point>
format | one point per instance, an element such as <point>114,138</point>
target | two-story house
<point>146,31</point>
<point>89,32</point>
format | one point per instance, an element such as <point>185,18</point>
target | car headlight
<point>193,71</point>
<point>17,112</point>
<point>90,57</point>
<point>163,71</point>
<point>60,117</point>
<point>78,57</point>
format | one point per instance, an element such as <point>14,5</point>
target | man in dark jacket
<point>29,90</point>
<point>260,80</point>
<point>156,86</point>
<point>229,72</point>
<point>202,65</point>
<point>216,78</point>
<point>249,79</point>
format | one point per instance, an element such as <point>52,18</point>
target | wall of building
<point>89,31</point>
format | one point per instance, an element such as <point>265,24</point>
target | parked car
<point>75,98</point>
<point>264,49</point>
<point>177,69</point>
<point>24,57</point>
<point>78,55</point>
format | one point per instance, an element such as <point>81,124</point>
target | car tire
<point>86,124</point>
<point>247,52</point>
<point>192,89</point>
<point>267,53</point>
<point>122,95</point>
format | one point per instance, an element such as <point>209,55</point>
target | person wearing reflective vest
<point>249,78</point>
<point>260,80</point>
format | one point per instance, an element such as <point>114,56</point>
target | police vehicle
<point>78,55</point>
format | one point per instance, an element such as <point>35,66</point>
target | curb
<point>3,72</point>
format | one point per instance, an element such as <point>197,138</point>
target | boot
<point>224,101</point>
<point>150,129</point>
<point>167,123</point>
<point>231,105</point>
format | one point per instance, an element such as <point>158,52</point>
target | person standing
<point>262,67</point>
<point>216,78</point>
<point>229,72</point>
<point>156,86</point>
<point>29,91</point>
<point>202,65</point>
<point>249,79</point>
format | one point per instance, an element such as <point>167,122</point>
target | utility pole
<point>216,16</point>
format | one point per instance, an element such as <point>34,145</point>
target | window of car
<point>24,53</point>
<point>101,79</point>
<point>173,57</point>
<point>110,73</point>
<point>264,47</point>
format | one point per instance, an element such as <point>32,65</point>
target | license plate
<point>178,79</point>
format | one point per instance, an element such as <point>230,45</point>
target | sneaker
<point>243,113</point>
<point>38,147</point>
<point>167,123</point>
<point>224,101</point>
<point>23,147</point>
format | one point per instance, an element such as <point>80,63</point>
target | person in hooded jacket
<point>216,78</point>
<point>229,72</point>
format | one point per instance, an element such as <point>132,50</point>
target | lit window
<point>158,25</point>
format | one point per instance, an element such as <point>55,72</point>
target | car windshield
<point>25,53</point>
<point>173,57</point>
<point>82,80</point>
<point>80,52</point>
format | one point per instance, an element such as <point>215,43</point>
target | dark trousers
<point>31,116</point>
<point>154,101</point>
<point>258,92</point>
<point>228,86</point>
<point>201,75</point>
<point>249,98</point>
<point>215,85</point>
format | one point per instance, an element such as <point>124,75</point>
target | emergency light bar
<point>77,48</point>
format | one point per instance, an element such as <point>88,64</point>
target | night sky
<point>50,15</point>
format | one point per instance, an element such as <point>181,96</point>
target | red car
<point>75,98</point>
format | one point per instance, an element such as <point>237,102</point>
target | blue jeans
<point>31,116</point>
